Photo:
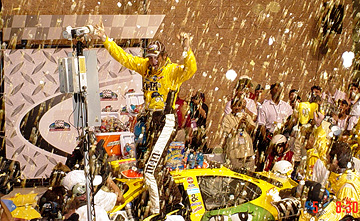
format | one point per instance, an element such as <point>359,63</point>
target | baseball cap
<point>78,177</point>
<point>278,139</point>
<point>154,49</point>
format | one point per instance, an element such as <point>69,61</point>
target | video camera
<point>71,32</point>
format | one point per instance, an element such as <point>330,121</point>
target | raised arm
<point>129,61</point>
<point>186,71</point>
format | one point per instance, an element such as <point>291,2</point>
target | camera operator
<point>236,139</point>
<point>196,123</point>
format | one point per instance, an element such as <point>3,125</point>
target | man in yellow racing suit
<point>342,180</point>
<point>161,83</point>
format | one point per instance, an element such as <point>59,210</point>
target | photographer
<point>236,139</point>
<point>196,123</point>
<point>161,83</point>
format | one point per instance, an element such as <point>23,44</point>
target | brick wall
<point>231,34</point>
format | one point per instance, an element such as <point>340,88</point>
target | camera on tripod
<point>71,33</point>
<point>78,74</point>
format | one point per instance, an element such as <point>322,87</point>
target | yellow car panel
<point>189,179</point>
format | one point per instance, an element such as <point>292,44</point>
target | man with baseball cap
<point>161,83</point>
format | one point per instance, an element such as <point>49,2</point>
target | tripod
<point>81,102</point>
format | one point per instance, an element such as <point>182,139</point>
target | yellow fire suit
<point>322,143</point>
<point>155,85</point>
<point>346,187</point>
<point>312,157</point>
<point>161,124</point>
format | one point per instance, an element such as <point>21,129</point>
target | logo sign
<point>193,191</point>
<point>190,180</point>
<point>305,112</point>
<point>108,95</point>
<point>197,209</point>
<point>191,186</point>
<point>59,125</point>
<point>195,204</point>
<point>194,198</point>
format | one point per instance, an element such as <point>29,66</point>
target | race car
<point>220,194</point>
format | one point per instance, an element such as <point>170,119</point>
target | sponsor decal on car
<point>194,198</point>
<point>190,180</point>
<point>59,125</point>
<point>191,186</point>
<point>193,191</point>
<point>196,204</point>
<point>113,143</point>
<point>197,209</point>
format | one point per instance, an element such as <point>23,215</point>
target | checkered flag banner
<point>50,27</point>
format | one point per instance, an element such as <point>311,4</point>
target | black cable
<point>79,114</point>
<point>78,131</point>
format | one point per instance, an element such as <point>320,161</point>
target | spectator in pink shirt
<point>242,91</point>
<point>272,117</point>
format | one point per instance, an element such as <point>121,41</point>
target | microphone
<point>71,32</point>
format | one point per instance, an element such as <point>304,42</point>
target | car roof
<point>223,171</point>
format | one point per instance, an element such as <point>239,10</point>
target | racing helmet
<point>283,167</point>
<point>154,49</point>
